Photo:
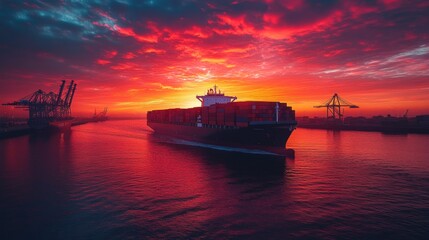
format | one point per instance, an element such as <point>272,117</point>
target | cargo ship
<point>221,121</point>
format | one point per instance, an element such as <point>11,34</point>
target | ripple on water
<point>115,180</point>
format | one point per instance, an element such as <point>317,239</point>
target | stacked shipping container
<point>234,114</point>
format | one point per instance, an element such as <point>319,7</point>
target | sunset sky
<point>134,56</point>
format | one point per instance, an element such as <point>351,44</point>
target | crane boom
<point>72,94</point>
<point>60,93</point>
<point>66,100</point>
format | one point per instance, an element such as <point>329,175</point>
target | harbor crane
<point>101,116</point>
<point>46,107</point>
<point>333,107</point>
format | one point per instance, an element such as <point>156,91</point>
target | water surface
<point>116,180</point>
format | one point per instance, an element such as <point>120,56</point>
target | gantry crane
<point>101,116</point>
<point>47,107</point>
<point>333,107</point>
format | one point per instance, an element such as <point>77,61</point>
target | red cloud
<point>357,10</point>
<point>110,54</point>
<point>129,55</point>
<point>124,66</point>
<point>391,3</point>
<point>333,53</point>
<point>286,31</point>
<point>152,50</point>
<point>197,32</point>
<point>152,38</point>
<point>293,4</point>
<point>102,61</point>
<point>235,25</point>
<point>272,18</point>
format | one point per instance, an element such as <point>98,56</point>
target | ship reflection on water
<point>253,164</point>
<point>235,162</point>
<point>116,180</point>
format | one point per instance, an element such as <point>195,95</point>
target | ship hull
<point>56,125</point>
<point>61,125</point>
<point>270,138</point>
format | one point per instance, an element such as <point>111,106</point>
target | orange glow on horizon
<point>158,56</point>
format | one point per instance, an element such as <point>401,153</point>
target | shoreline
<point>24,129</point>
<point>368,128</point>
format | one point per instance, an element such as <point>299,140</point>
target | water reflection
<point>257,165</point>
<point>35,183</point>
<point>242,164</point>
<point>115,180</point>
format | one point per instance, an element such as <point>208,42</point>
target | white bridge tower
<point>214,96</point>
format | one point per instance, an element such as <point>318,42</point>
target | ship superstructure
<point>214,96</point>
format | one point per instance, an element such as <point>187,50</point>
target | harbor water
<point>116,180</point>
